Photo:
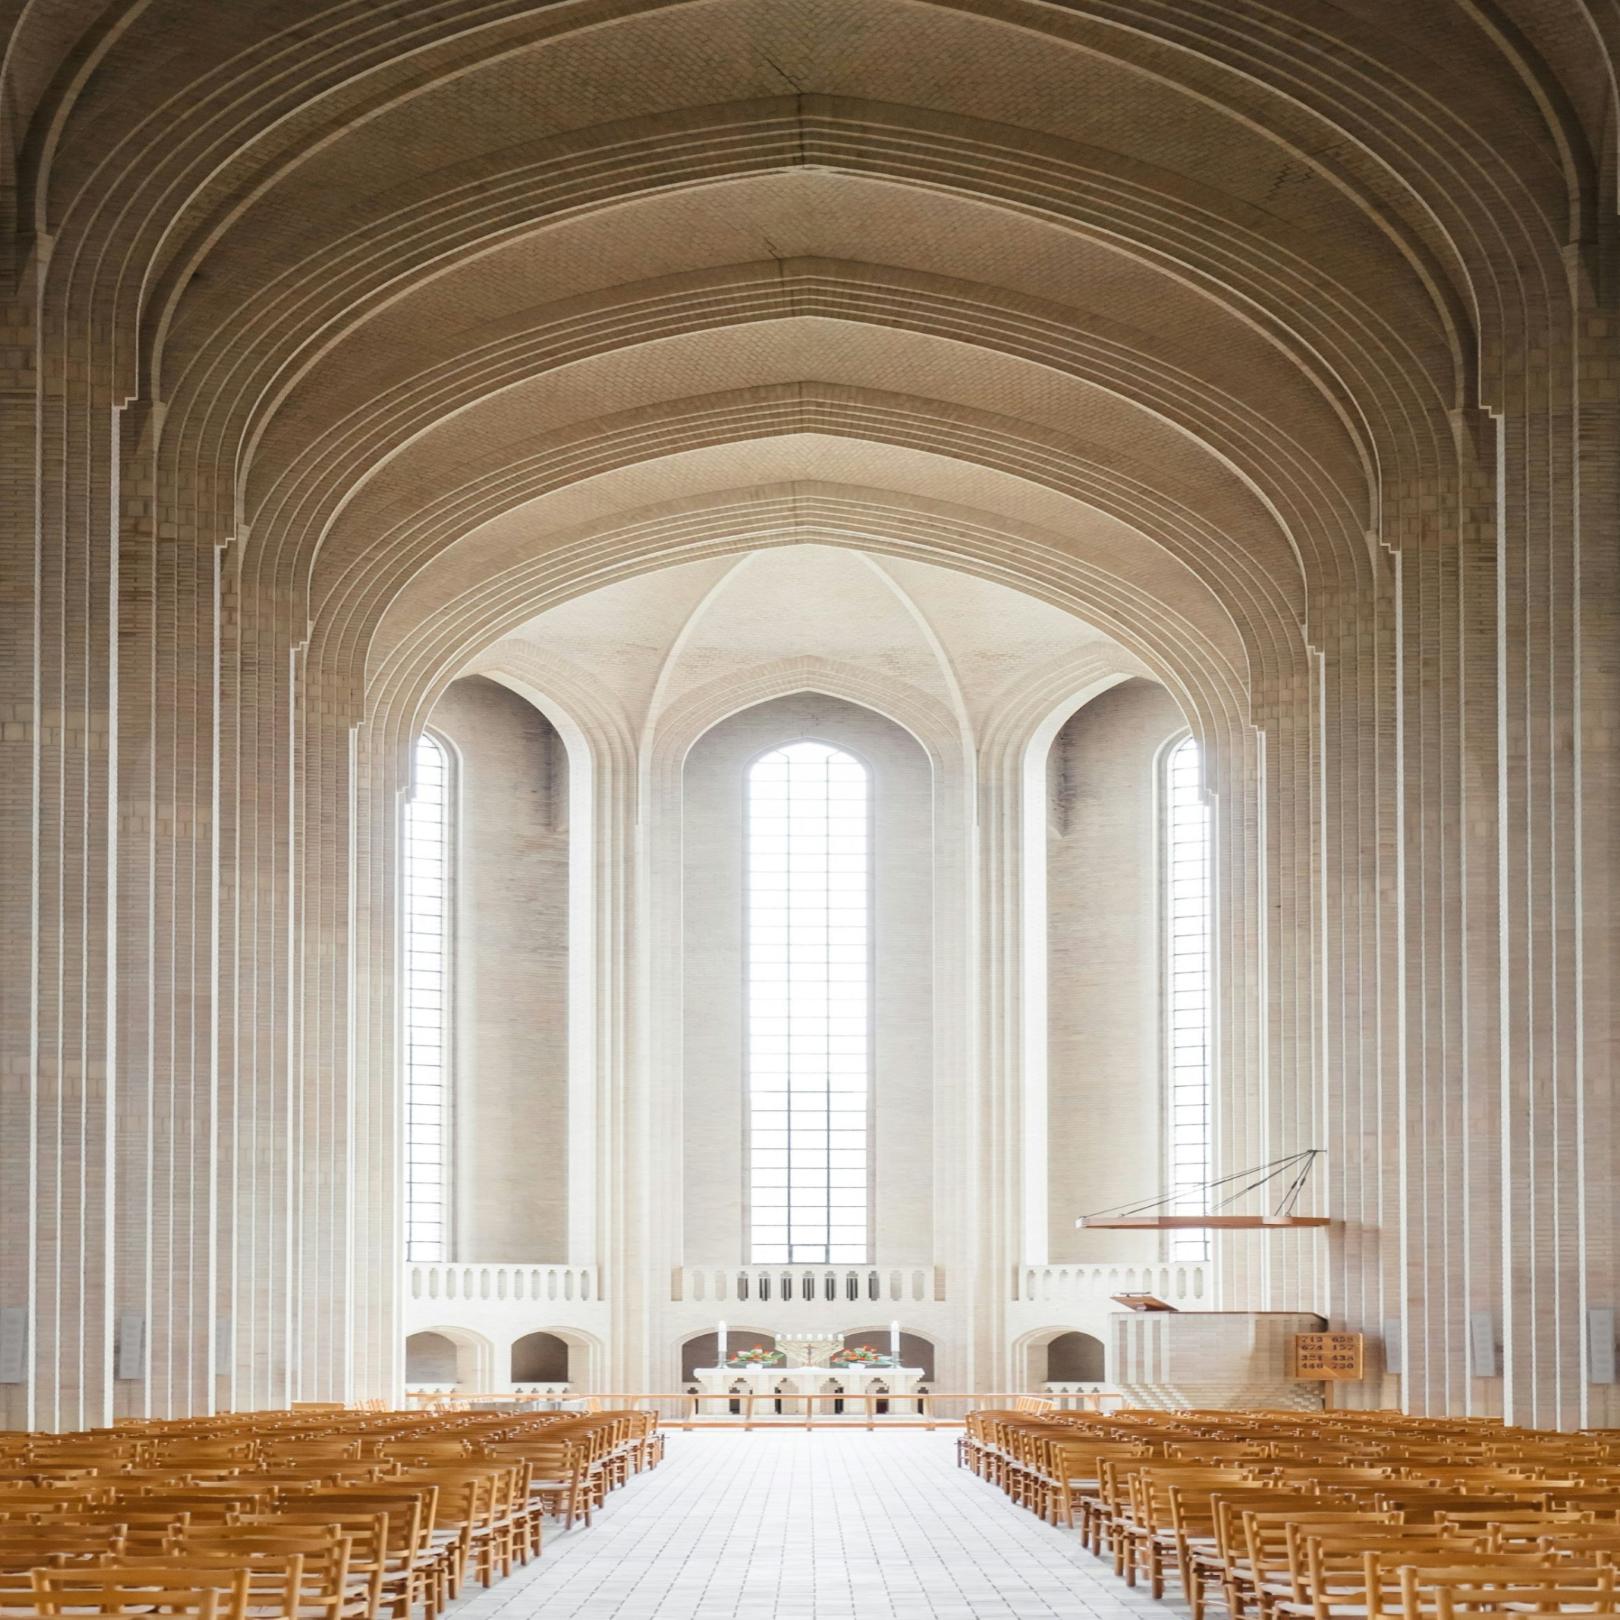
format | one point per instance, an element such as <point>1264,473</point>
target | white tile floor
<point>823,1526</point>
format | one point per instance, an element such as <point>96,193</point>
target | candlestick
<point>894,1343</point>
<point>722,1337</point>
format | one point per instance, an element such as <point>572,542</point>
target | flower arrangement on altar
<point>862,1355</point>
<point>756,1356</point>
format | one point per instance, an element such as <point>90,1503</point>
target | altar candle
<point>894,1343</point>
<point>722,1344</point>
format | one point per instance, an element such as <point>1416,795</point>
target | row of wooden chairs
<point>1331,1516</point>
<point>308,1515</point>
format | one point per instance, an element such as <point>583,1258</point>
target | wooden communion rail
<point>679,1409</point>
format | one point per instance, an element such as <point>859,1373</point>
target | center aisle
<point>823,1526</point>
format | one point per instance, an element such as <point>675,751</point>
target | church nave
<point>838,1525</point>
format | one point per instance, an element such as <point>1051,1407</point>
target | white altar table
<point>789,1385</point>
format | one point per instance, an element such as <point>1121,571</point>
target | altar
<point>782,1389</point>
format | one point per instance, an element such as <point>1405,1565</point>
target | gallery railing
<point>1185,1283</point>
<point>801,1284</point>
<point>465,1280</point>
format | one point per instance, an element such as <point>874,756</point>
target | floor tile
<point>830,1525</point>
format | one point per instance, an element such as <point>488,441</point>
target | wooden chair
<point>1269,1536</point>
<point>34,1502</point>
<point>310,1449</point>
<point>411,1507</point>
<point>365,1545</point>
<point>1142,1520</point>
<point>1222,1567</point>
<point>196,1505</point>
<point>275,1581</point>
<point>326,1591</point>
<point>1073,1468</point>
<point>18,1563</point>
<point>556,1477</point>
<point>120,1592</point>
<point>1597,1542</point>
<point>1506,1583</point>
<point>1340,1574</point>
<point>1420,1504</point>
<point>143,1530</point>
<point>1509,1529</point>
<point>21,1540</point>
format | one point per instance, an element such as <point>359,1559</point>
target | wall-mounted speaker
<point>129,1347</point>
<point>1482,1344</point>
<point>1394,1347</point>
<point>1600,1344</point>
<point>13,1344</point>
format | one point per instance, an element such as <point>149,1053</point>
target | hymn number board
<point>1328,1355</point>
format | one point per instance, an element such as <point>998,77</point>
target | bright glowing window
<point>1186,891</point>
<point>426,975</point>
<point>809,1005</point>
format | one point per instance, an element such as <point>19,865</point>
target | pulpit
<point>1217,1360</point>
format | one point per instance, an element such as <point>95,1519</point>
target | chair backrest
<point>1269,1534</point>
<point>307,1448</point>
<point>411,1506</point>
<point>26,1540</point>
<point>367,1534</point>
<point>142,1529</point>
<point>1507,1582</point>
<point>134,1590</point>
<point>326,1550</point>
<point>1341,1562</point>
<point>275,1580</point>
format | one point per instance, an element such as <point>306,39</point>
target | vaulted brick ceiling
<point>419,288</point>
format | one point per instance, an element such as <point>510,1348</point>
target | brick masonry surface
<point>1272,346</point>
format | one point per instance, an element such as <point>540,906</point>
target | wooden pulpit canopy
<point>1155,1214</point>
<point>1182,1223</point>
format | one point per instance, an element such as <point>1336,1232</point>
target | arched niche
<point>915,1350</point>
<point>1059,1354</point>
<point>448,1355</point>
<point>1076,1358</point>
<point>540,1358</point>
<point>703,1349</point>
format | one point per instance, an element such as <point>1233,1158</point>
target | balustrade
<point>810,1285</point>
<point>1176,1284</point>
<point>475,1282</point>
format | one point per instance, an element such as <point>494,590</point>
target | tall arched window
<point>426,996</point>
<point>1188,989</point>
<point>809,1005</point>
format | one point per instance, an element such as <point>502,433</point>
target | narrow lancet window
<point>809,1005</point>
<point>426,976</point>
<point>1188,989</point>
